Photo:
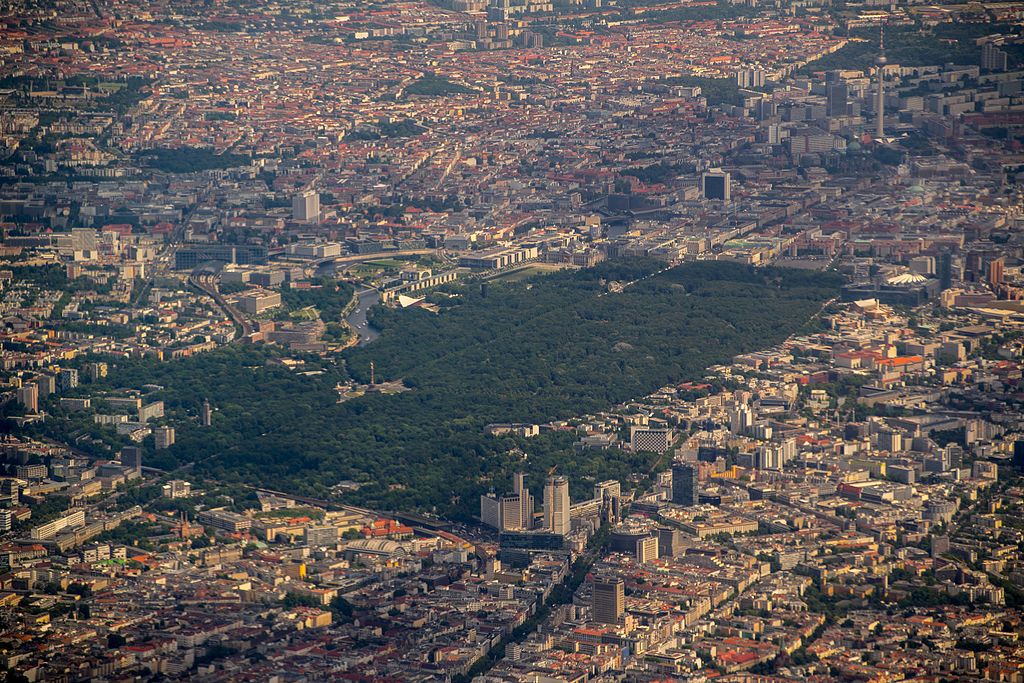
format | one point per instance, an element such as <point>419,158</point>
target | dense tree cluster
<point>327,295</point>
<point>950,43</point>
<point>189,159</point>
<point>650,11</point>
<point>542,349</point>
<point>715,90</point>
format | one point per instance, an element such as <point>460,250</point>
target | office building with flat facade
<point>653,439</point>
<point>608,600</point>
<point>224,520</point>
<point>511,512</point>
<point>717,185</point>
<point>557,506</point>
<point>498,258</point>
<point>189,257</point>
<point>684,484</point>
<point>258,302</point>
<point>306,206</point>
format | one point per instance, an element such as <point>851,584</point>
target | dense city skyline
<point>511,341</point>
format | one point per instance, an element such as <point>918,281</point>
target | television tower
<point>880,63</point>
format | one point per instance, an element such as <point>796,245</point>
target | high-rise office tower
<point>517,509</point>
<point>518,483</point>
<point>522,493</point>
<point>609,600</point>
<point>717,185</point>
<point>511,517</point>
<point>684,484</point>
<point>880,63</point>
<point>837,95</point>
<point>511,512</point>
<point>647,549</point>
<point>741,419</point>
<point>131,456</point>
<point>306,206</point>
<point>995,271</point>
<point>490,511</point>
<point>769,457</point>
<point>890,440</point>
<point>945,270</point>
<point>954,454</point>
<point>670,542</point>
<point>765,109</point>
<point>556,505</point>
<point>1018,454</point>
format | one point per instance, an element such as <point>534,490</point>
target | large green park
<point>546,348</point>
